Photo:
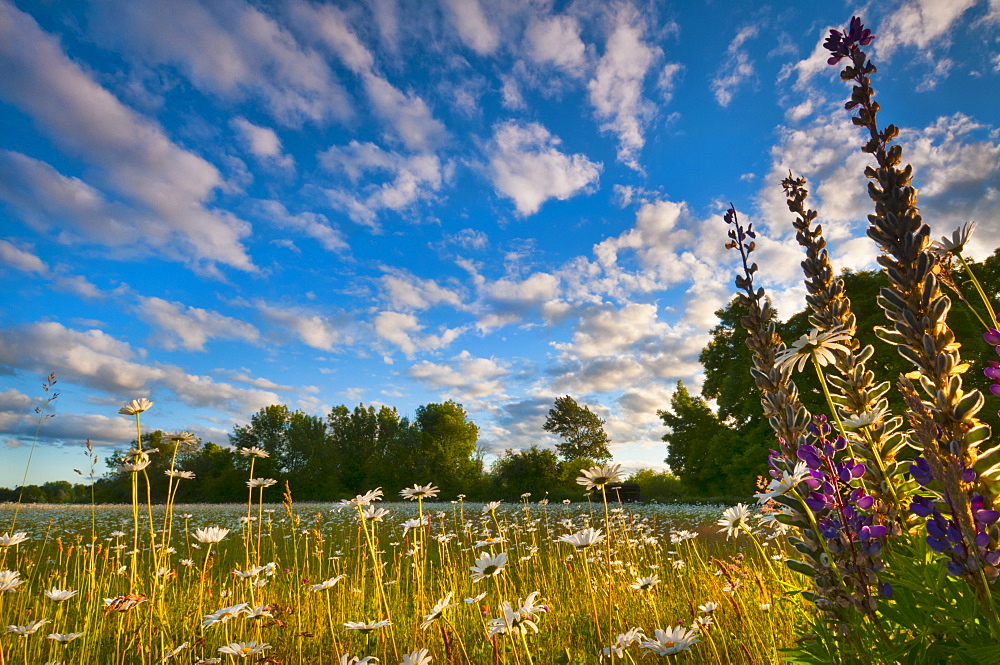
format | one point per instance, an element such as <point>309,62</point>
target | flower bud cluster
<point>944,534</point>
<point>992,337</point>
<point>843,518</point>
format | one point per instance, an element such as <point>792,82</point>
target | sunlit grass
<point>323,577</point>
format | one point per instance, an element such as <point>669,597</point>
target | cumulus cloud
<point>97,360</point>
<point>616,90</point>
<point>404,290</point>
<point>316,329</point>
<point>526,166</point>
<point>405,332</point>
<point>555,40</point>
<point>475,31</point>
<point>310,224</point>
<point>407,114</point>
<point>925,24</point>
<point>408,180</point>
<point>463,375</point>
<point>176,325</point>
<point>736,69</point>
<point>128,153</point>
<point>20,257</point>
<point>66,429</point>
<point>230,49</point>
<point>263,143</point>
<point>956,169</point>
<point>511,300</point>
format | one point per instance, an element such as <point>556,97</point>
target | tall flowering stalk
<point>789,419</point>
<point>863,407</point>
<point>945,427</point>
<point>778,393</point>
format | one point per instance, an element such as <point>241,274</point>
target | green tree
<point>447,441</point>
<point>218,476</point>
<point>372,448</point>
<point>298,448</point>
<point>535,470</point>
<point>581,429</point>
<point>657,485</point>
<point>692,428</point>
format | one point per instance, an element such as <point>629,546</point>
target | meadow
<point>876,539</point>
<point>415,582</point>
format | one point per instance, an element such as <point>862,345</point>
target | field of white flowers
<point>425,581</point>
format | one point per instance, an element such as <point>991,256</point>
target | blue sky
<point>224,205</point>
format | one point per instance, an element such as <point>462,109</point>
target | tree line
<point>351,451</point>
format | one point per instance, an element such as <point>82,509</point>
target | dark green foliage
<point>709,456</point>
<point>724,451</point>
<point>581,429</point>
<point>661,486</point>
<point>447,447</point>
<point>535,470</point>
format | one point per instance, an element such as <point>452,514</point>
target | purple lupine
<point>841,45</point>
<point>943,533</point>
<point>843,510</point>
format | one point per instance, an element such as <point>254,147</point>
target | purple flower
<point>841,45</point>
<point>922,506</point>
<point>921,471</point>
<point>808,454</point>
<point>992,336</point>
<point>969,476</point>
<point>987,516</point>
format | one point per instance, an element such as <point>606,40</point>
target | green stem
<point>829,397</point>
<point>980,291</point>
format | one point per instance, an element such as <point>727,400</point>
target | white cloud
<point>176,325</point>
<point>510,93</point>
<point>403,290</point>
<point>96,360</point>
<point>956,165</point>
<point>328,24</point>
<point>925,24</point>
<point>510,300</point>
<point>406,113</point>
<point>473,28</point>
<point>526,166</point>
<point>617,87</point>
<point>555,40</point>
<point>263,143</point>
<point>66,429</point>
<point>469,239</point>
<point>130,154</point>
<point>315,329</point>
<point>79,285</point>
<point>736,69</point>
<point>405,332</point>
<point>463,376</point>
<point>20,258</point>
<point>230,49</point>
<point>802,74</point>
<point>310,224</point>
<point>409,179</point>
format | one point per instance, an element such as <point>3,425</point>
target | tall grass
<point>317,568</point>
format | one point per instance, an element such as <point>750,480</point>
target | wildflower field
<point>404,582</point>
<point>875,539</point>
